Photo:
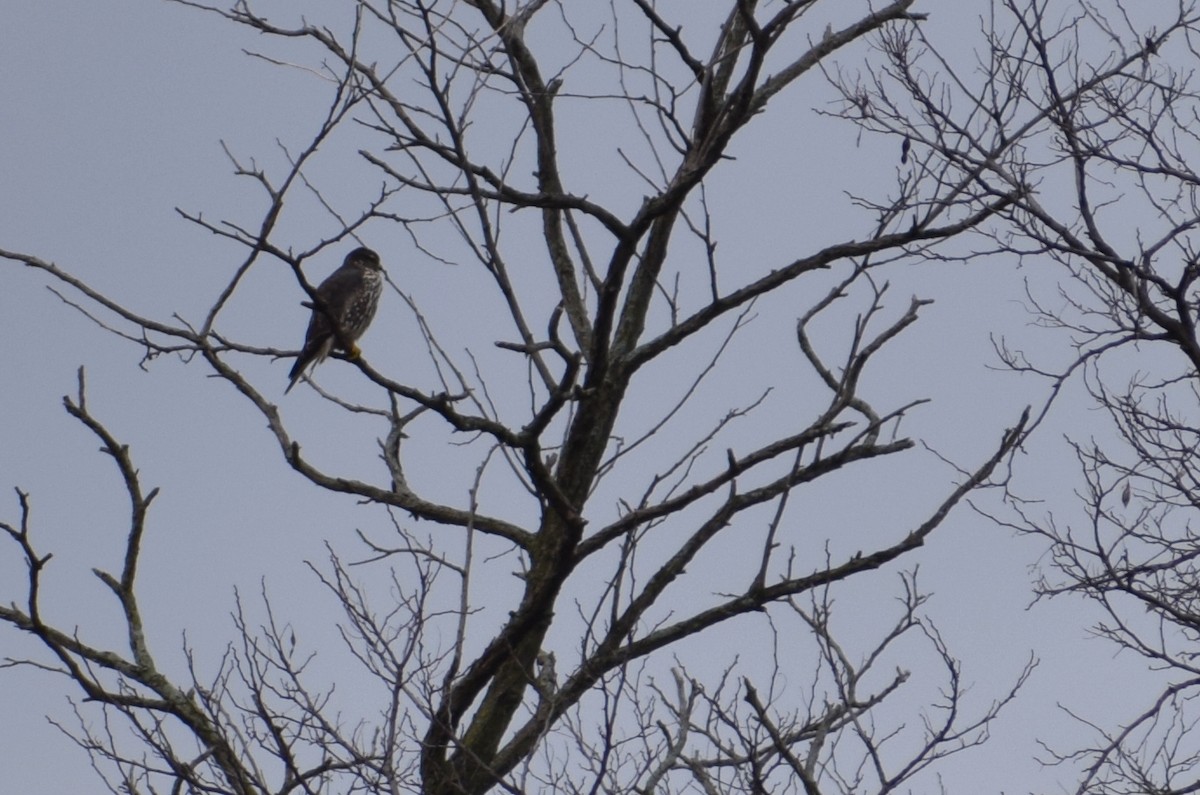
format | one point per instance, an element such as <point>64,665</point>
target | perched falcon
<point>345,305</point>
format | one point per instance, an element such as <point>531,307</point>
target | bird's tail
<point>314,353</point>
<point>302,361</point>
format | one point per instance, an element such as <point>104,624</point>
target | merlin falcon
<point>345,304</point>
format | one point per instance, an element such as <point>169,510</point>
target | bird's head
<point>364,258</point>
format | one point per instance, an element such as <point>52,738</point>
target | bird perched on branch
<point>344,306</point>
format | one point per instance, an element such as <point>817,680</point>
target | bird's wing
<point>337,291</point>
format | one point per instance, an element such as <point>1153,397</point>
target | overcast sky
<point>111,117</point>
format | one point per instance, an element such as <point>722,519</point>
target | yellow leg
<point>353,353</point>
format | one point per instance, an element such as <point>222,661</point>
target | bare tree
<point>1086,115</point>
<point>568,157</point>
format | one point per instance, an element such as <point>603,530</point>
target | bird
<point>345,305</point>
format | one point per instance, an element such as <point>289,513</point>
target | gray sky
<point>111,116</point>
